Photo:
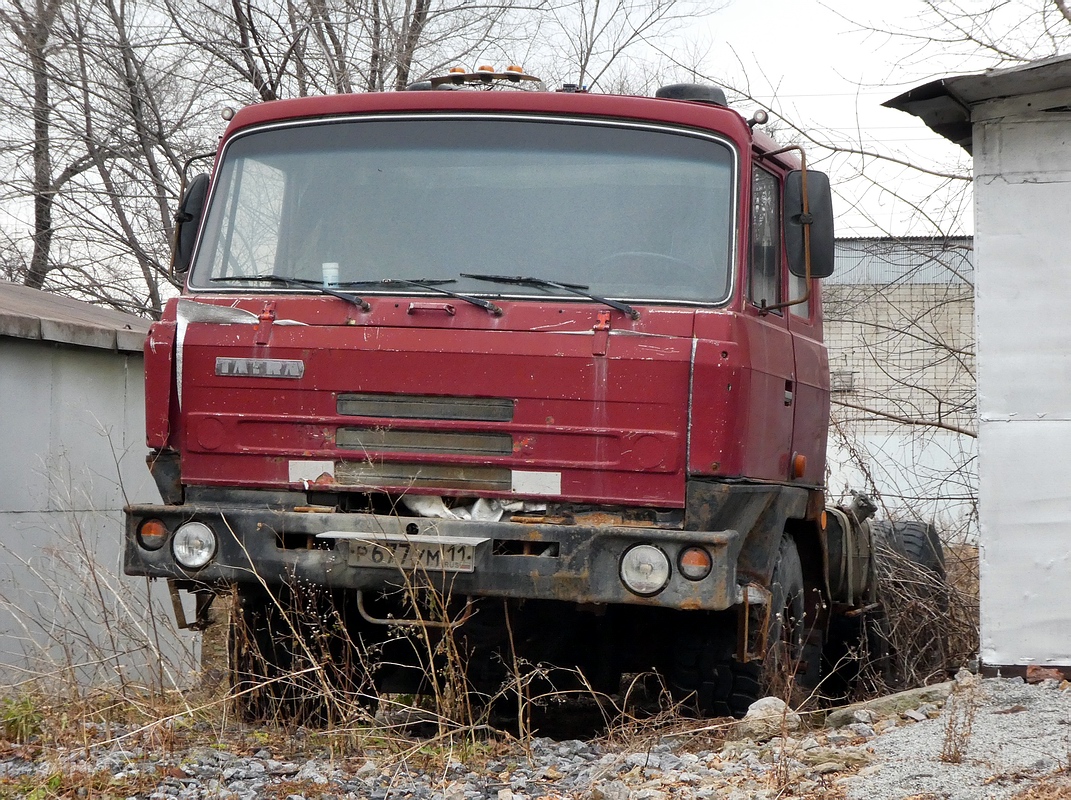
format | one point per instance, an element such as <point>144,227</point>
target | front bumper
<point>572,563</point>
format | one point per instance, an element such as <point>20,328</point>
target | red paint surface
<point>626,415</point>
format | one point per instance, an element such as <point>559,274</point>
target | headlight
<point>194,545</point>
<point>644,570</point>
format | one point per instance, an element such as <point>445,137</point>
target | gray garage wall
<point>71,454</point>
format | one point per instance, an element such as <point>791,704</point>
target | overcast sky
<point>807,59</point>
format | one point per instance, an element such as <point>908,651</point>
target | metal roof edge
<point>965,238</point>
<point>945,104</point>
<point>27,313</point>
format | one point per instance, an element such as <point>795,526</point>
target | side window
<point>764,282</point>
<point>797,287</point>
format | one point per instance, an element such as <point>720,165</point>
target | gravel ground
<point>1017,733</point>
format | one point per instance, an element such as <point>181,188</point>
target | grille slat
<point>444,442</point>
<point>412,406</point>
<point>423,476</point>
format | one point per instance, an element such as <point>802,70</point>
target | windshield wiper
<point>432,285</point>
<point>304,283</point>
<point>574,288</point>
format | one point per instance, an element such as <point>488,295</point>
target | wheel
<point>705,676</point>
<point>918,544</point>
<point>858,661</point>
<point>793,659</point>
<point>923,546</point>
<point>916,541</point>
<point>705,672</point>
<point>914,597</point>
<point>295,657</point>
<point>258,659</point>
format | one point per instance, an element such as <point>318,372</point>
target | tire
<point>258,660</point>
<point>858,661</point>
<point>705,673</point>
<point>923,546</point>
<point>794,651</point>
<point>705,676</point>
<point>916,541</point>
<point>293,659</point>
<point>915,598</point>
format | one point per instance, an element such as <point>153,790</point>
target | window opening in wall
<point>842,381</point>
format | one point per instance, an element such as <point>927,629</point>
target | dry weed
<point>930,624</point>
<point>1054,787</point>
<point>960,710</point>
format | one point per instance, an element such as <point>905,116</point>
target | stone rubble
<point>773,752</point>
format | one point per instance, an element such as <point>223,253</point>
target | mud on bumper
<point>573,563</point>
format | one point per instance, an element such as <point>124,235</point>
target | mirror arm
<point>805,220</point>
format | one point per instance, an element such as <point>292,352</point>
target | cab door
<point>772,381</point>
<point>811,404</point>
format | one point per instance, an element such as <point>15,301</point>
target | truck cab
<point>553,357</point>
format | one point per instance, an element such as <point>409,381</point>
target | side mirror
<point>820,210</point>
<point>187,221</point>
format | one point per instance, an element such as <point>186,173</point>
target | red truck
<point>553,356</point>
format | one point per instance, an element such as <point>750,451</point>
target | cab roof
<point>704,116</point>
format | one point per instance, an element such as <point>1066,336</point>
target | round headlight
<point>644,570</point>
<point>194,544</point>
<point>694,563</point>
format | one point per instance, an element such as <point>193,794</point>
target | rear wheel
<point>918,542</point>
<point>904,643</point>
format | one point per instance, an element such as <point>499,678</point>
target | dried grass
<point>930,621</point>
<point>1054,787</point>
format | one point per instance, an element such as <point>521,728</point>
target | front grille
<point>444,442</point>
<point>413,406</point>
<point>423,476</point>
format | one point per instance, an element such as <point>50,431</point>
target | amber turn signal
<point>694,563</point>
<point>152,534</point>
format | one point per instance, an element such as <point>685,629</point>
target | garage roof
<point>945,104</point>
<point>32,314</point>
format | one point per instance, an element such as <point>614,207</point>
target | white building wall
<point>1023,261</point>
<point>901,351</point>
<point>72,452</point>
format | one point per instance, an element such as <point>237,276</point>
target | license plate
<point>418,553</point>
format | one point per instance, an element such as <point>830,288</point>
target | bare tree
<point>965,33</point>
<point>121,90</point>
<point>902,342</point>
<point>32,29</point>
<point>610,46</point>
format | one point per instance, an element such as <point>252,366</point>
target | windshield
<point>628,212</point>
